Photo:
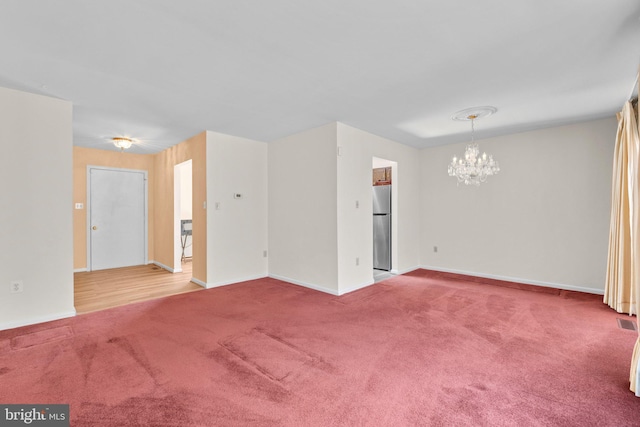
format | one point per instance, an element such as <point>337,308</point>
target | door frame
<point>146,209</point>
<point>377,162</point>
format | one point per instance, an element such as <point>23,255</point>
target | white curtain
<point>631,118</point>
<point>619,293</point>
<point>622,287</point>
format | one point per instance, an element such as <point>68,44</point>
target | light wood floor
<point>97,290</point>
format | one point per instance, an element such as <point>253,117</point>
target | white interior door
<point>117,218</point>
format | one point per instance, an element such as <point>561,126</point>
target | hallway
<point>97,290</point>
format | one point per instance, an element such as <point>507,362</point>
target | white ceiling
<point>165,70</point>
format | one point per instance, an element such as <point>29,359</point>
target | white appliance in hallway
<point>382,227</point>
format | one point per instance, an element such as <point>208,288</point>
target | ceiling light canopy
<point>122,143</point>
<point>473,168</point>
<point>476,112</point>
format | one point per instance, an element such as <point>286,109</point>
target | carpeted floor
<point>423,349</point>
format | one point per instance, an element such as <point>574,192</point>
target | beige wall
<point>164,162</point>
<point>236,227</point>
<point>83,157</point>
<point>355,225</point>
<point>36,228</point>
<point>303,237</point>
<point>316,232</point>
<point>544,219</point>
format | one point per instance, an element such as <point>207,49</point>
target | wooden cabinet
<point>382,176</point>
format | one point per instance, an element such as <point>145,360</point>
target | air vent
<point>626,324</point>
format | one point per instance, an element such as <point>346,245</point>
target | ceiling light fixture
<point>473,168</point>
<point>122,143</point>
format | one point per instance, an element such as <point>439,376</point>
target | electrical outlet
<point>357,261</point>
<point>16,286</point>
<point>435,249</point>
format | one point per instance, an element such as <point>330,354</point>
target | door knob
<point>94,227</point>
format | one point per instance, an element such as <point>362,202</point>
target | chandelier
<point>473,168</point>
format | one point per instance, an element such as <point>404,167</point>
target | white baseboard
<point>40,319</point>
<point>406,270</point>
<point>161,265</point>
<point>232,282</point>
<point>305,284</point>
<point>356,287</point>
<point>199,282</point>
<point>80,270</point>
<point>517,280</point>
<point>333,291</point>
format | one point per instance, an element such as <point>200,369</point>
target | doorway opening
<point>182,215</point>
<point>100,288</point>
<point>384,201</point>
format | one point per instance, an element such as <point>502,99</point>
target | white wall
<point>36,214</point>
<point>355,225</point>
<point>237,229</point>
<point>544,219</point>
<point>302,209</point>
<point>183,174</point>
<point>186,190</point>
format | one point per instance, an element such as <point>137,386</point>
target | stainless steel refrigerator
<point>382,227</point>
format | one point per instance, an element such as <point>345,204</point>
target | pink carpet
<point>423,349</point>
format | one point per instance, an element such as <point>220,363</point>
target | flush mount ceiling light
<point>473,168</point>
<point>122,143</point>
